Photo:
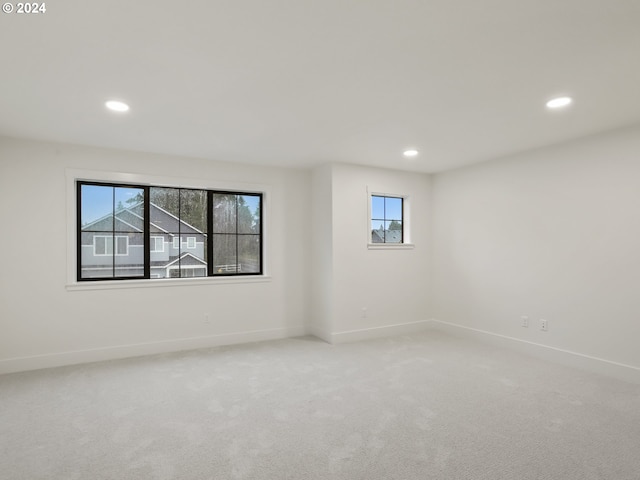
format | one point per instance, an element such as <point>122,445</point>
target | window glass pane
<point>393,208</point>
<point>102,269</point>
<point>201,254</point>
<point>129,255</point>
<point>193,210</point>
<point>122,245</point>
<point>127,197</point>
<point>377,231</point>
<point>165,210</point>
<point>224,254</point>
<point>157,244</point>
<point>248,253</point>
<point>112,218</point>
<point>96,256</point>
<point>127,221</point>
<point>129,209</point>
<point>191,272</point>
<point>103,244</point>
<point>192,263</point>
<point>224,213</point>
<point>249,214</point>
<point>393,231</point>
<point>377,225</point>
<point>96,208</point>
<point>377,207</point>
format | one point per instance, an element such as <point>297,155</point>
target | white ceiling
<point>304,82</point>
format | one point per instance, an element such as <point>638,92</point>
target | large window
<point>387,219</point>
<point>140,231</point>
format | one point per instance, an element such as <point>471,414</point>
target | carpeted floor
<point>426,406</point>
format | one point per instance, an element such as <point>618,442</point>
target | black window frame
<point>385,219</point>
<point>147,232</point>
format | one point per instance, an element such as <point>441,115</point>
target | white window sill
<point>164,282</point>
<point>390,246</point>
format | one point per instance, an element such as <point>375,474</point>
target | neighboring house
<point>177,248</point>
<point>386,236</point>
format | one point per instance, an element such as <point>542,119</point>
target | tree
<point>137,198</point>
<point>190,206</point>
<point>233,220</point>
<point>395,225</point>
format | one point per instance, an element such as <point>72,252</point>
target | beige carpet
<point>426,406</point>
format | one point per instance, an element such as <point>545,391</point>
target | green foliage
<point>190,206</point>
<point>231,215</point>
<point>137,198</point>
<point>395,225</point>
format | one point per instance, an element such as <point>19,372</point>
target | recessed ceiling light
<point>410,153</point>
<point>117,106</point>
<point>559,102</point>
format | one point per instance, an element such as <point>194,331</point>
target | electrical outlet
<point>206,319</point>
<point>544,325</point>
<point>364,312</point>
<point>524,321</point>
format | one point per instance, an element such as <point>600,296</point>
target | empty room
<point>344,240</point>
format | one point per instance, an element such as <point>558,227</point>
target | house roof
<point>167,222</point>
<point>386,236</point>
<point>161,220</point>
<point>186,259</point>
<point>106,223</point>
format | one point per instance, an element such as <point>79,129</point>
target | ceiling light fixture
<point>410,153</point>
<point>117,106</point>
<point>559,102</point>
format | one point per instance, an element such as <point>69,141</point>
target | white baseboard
<point>36,362</point>
<point>321,333</point>
<point>377,332</point>
<point>588,363</point>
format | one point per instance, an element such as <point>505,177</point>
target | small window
<point>122,246</point>
<point>103,245</point>
<point>387,219</point>
<point>184,242</point>
<point>157,244</point>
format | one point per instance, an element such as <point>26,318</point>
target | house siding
<point>128,222</point>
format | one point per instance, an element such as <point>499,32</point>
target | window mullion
<point>209,233</point>
<point>147,231</point>
<point>237,198</point>
<point>384,219</point>
<point>79,231</point>
<point>402,220</point>
<point>113,231</point>
<point>179,233</point>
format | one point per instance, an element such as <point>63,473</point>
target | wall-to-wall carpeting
<point>425,406</point>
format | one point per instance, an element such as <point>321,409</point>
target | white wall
<point>322,253</point>
<point>43,323</point>
<point>390,284</point>
<point>552,234</point>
